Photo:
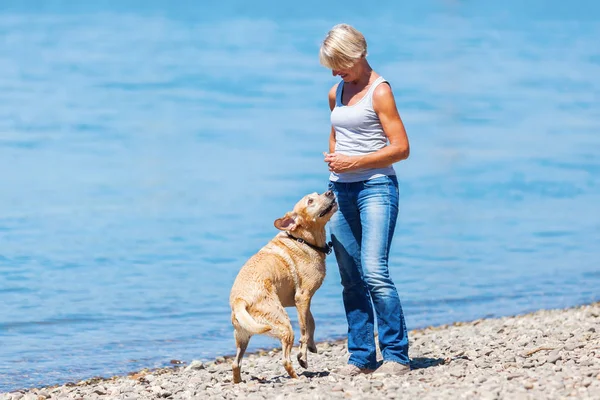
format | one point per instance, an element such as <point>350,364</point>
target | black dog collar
<point>324,250</point>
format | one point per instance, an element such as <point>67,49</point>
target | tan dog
<point>286,272</point>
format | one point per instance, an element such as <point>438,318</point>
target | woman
<point>364,119</point>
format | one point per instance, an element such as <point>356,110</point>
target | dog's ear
<point>287,222</point>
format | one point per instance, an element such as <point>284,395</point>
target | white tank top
<point>358,131</point>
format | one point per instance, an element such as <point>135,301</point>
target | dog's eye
<point>310,201</point>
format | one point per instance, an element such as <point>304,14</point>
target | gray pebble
<point>554,357</point>
<point>338,388</point>
<point>195,365</point>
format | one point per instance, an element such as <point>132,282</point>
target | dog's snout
<point>329,193</point>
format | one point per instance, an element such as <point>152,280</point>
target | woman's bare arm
<point>398,149</point>
<point>332,94</point>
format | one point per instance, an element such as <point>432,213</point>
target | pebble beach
<point>547,354</point>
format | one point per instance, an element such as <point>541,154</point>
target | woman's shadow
<point>426,362</point>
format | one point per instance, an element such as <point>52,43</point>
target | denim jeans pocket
<point>379,181</point>
<point>383,184</point>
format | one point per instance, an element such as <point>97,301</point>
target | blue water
<point>146,148</point>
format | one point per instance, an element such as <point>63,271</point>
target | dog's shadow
<point>281,378</point>
<point>319,374</point>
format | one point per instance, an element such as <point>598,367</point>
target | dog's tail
<point>245,320</point>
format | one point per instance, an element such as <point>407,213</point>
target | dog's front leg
<point>310,331</point>
<point>307,326</point>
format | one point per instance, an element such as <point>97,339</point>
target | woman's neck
<point>365,75</point>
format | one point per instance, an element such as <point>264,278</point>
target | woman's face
<point>349,74</point>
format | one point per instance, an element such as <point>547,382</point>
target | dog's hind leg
<point>241,342</point>
<point>281,328</point>
<point>273,315</point>
<point>287,342</point>
<point>307,327</point>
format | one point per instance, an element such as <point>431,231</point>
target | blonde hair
<point>342,47</point>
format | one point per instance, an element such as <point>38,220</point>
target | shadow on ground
<point>415,363</point>
<point>426,362</point>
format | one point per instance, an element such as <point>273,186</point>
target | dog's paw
<point>303,362</point>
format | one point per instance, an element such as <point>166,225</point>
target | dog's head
<point>311,212</point>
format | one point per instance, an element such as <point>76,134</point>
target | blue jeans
<point>361,232</point>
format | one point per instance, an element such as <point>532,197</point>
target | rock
<point>553,357</point>
<point>528,364</point>
<point>457,373</point>
<point>195,365</point>
<point>587,363</point>
<point>541,361</point>
<point>338,388</point>
<point>586,383</point>
<point>471,354</point>
<point>573,346</point>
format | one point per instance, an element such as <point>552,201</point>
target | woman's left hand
<point>339,162</point>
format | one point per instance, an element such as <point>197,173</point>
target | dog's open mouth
<point>328,209</point>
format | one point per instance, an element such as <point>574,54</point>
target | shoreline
<point>542,354</point>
